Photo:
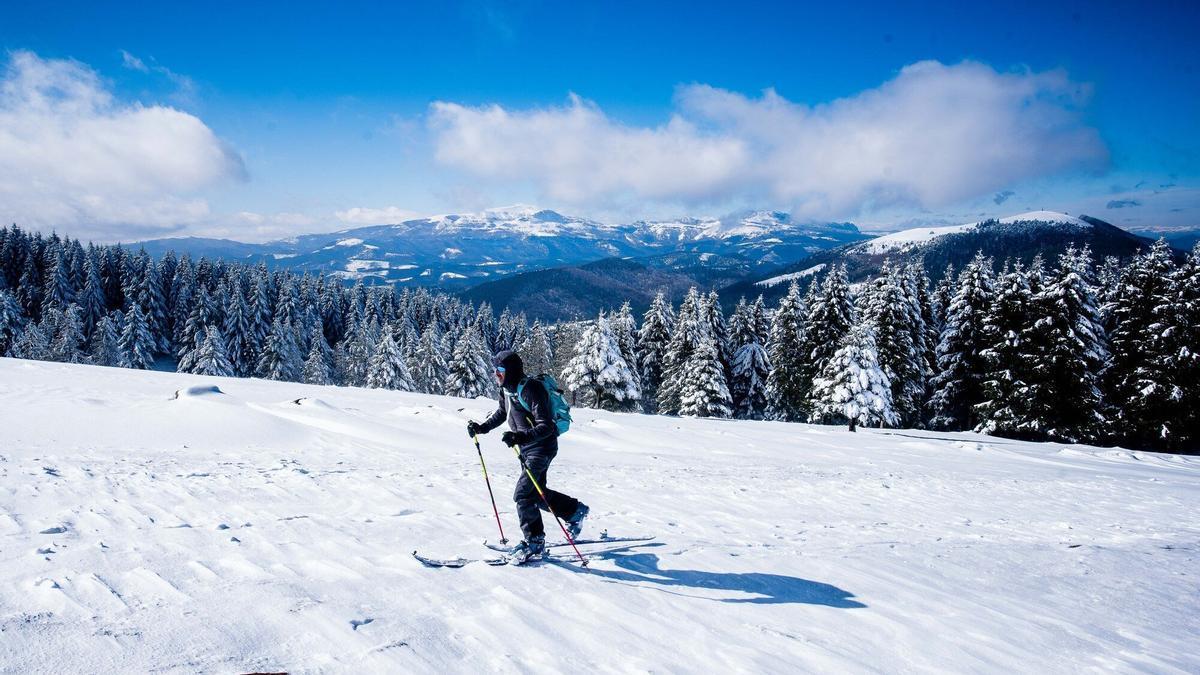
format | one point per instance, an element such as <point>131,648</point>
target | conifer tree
<point>943,295</point>
<point>92,303</point>
<point>210,357</point>
<point>748,386</point>
<point>1140,382</point>
<point>31,343</point>
<point>428,365</point>
<point>691,326</point>
<point>280,358</point>
<point>154,306</point>
<point>894,321</point>
<point>238,331</point>
<point>387,369</point>
<point>624,330</point>
<point>598,373</point>
<point>469,372</point>
<point>704,391</point>
<point>58,292</point>
<point>67,343</point>
<point>535,350</point>
<point>1070,351</point>
<point>10,321</point>
<point>852,386</point>
<point>958,386</point>
<point>136,343</point>
<point>830,318</point>
<point>1009,358</point>
<point>318,365</point>
<point>105,349</point>
<point>653,339</point>
<point>787,389</point>
<point>1187,366</point>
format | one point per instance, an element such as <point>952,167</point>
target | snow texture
<point>268,526</point>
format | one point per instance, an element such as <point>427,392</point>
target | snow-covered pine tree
<point>748,387</point>
<point>58,292</point>
<point>318,365</point>
<point>741,331</point>
<point>624,330</point>
<point>925,333</point>
<point>719,330</point>
<point>535,350</point>
<point>830,318</point>
<point>387,369</point>
<point>1064,396</point>
<point>598,374</point>
<point>943,295</point>
<point>29,289</point>
<point>92,304</point>
<point>11,321</point>
<point>1187,367</point>
<point>427,363</point>
<point>1009,358</point>
<point>787,392</point>
<point>894,321</point>
<point>136,343</point>
<point>469,374</point>
<point>958,386</point>
<point>852,386</point>
<point>31,343</point>
<point>210,356</point>
<point>204,313</point>
<point>704,391</point>
<point>154,306</point>
<point>690,327</point>
<point>653,339</point>
<point>1141,381</point>
<point>238,331</point>
<point>352,354</point>
<point>67,343</point>
<point>280,358</point>
<point>105,349</point>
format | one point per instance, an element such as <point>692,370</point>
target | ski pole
<point>549,508</point>
<point>503,539</point>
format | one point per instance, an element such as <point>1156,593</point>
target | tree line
<point>1068,351</point>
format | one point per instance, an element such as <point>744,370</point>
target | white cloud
<point>932,136</point>
<point>74,157</point>
<point>387,215</point>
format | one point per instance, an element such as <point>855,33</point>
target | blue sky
<point>137,120</point>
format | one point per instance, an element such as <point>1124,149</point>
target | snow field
<point>269,526</point>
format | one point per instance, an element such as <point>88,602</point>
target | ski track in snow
<point>270,527</point>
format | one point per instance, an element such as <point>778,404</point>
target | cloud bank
<point>71,155</point>
<point>934,135</point>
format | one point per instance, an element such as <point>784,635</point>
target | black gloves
<point>474,429</point>
<point>516,437</point>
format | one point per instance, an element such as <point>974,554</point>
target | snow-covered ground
<point>270,527</point>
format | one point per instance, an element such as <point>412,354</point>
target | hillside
<point>1019,237</point>
<point>263,526</point>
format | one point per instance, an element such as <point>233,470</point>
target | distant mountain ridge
<point>462,250</point>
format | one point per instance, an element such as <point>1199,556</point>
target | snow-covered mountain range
<point>188,524</point>
<point>457,251</point>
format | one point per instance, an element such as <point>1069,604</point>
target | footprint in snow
<point>57,529</point>
<point>355,623</point>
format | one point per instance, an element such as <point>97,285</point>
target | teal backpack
<point>558,402</point>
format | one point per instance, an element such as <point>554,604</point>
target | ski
<point>578,542</point>
<point>494,562</point>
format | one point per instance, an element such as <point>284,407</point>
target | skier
<point>531,426</point>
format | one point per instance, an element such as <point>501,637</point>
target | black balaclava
<point>514,370</point>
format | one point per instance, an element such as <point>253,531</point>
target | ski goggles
<point>499,370</point>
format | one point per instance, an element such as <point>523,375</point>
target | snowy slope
<point>897,241</point>
<point>269,527</point>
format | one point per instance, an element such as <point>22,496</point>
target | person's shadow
<point>643,568</point>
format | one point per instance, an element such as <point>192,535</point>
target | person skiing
<point>531,427</point>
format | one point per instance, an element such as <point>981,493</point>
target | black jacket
<point>537,417</point>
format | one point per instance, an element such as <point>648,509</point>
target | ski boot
<point>575,522</point>
<point>529,549</point>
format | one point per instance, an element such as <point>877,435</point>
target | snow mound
<point>199,390</point>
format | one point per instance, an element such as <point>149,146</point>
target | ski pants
<point>529,503</point>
